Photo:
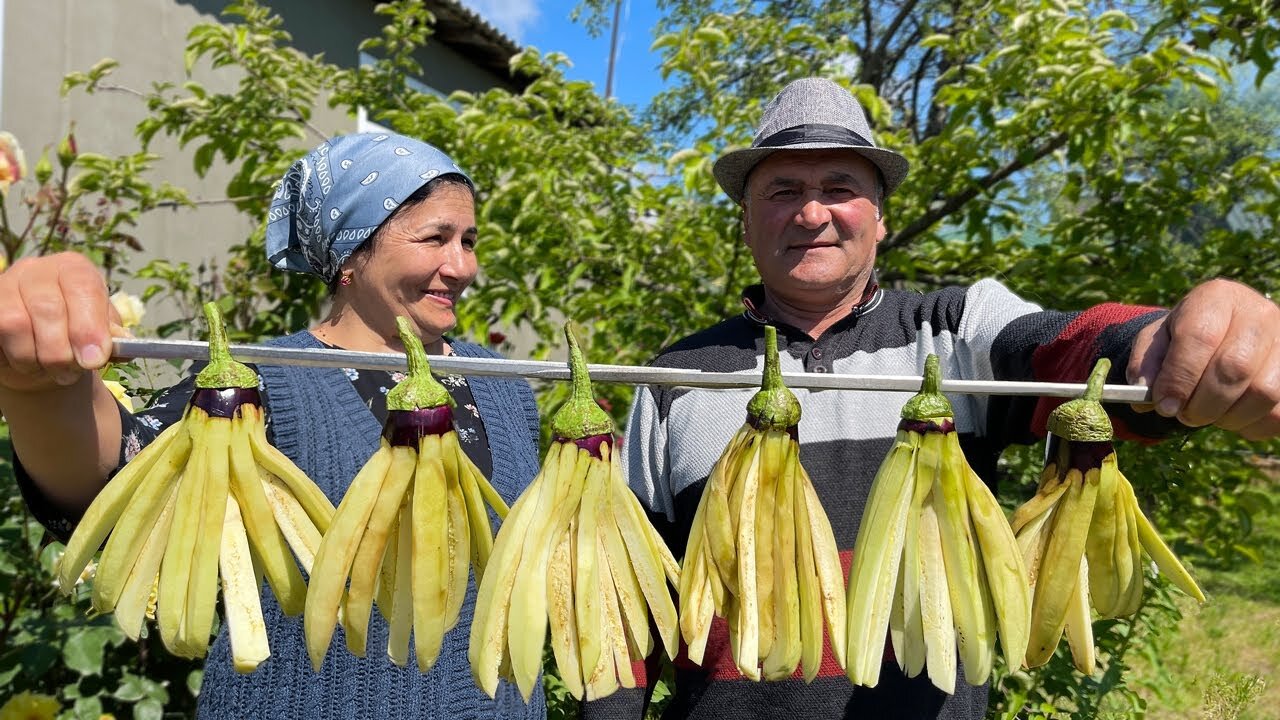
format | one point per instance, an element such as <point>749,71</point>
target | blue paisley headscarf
<point>332,200</point>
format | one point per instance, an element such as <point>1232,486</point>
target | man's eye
<point>782,194</point>
<point>469,243</point>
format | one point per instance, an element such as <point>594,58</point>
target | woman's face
<point>419,264</point>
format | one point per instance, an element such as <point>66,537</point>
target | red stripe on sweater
<point>640,669</point>
<point>1070,356</point>
<point>717,661</point>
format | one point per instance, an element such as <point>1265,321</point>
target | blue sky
<point>545,25</point>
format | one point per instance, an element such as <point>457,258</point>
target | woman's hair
<point>418,197</point>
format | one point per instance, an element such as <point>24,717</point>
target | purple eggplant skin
<point>1082,455</point>
<point>404,428</point>
<point>224,402</point>
<point>591,443</point>
<point>927,426</point>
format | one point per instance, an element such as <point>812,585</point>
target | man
<point>812,188</point>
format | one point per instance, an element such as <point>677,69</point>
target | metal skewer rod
<point>131,348</point>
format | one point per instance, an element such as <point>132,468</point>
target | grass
<point>1224,662</point>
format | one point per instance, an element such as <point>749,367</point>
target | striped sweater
<point>981,332</point>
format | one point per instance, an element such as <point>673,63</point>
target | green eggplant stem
<point>420,390</point>
<point>929,403</point>
<point>222,371</point>
<point>1097,378</point>
<point>580,417</point>
<point>1084,419</point>
<point>774,407</point>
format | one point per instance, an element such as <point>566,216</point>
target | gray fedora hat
<point>809,114</point>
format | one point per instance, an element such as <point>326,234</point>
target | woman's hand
<point>55,322</point>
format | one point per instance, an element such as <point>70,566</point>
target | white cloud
<point>512,17</point>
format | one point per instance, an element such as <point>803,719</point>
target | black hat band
<point>814,133</point>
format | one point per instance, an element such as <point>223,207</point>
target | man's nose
<point>813,215</point>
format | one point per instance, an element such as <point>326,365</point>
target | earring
<point>346,279</point>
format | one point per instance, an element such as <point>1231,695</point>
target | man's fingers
<point>1258,399</point>
<point>17,342</point>
<point>1148,351</point>
<point>1195,334</point>
<point>1264,429</point>
<point>48,312</point>
<point>1231,372</point>
<point>88,314</point>
<point>117,328</point>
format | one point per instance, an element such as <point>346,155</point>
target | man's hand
<point>55,322</point>
<point>1215,360</point>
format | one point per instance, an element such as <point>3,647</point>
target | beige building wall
<point>46,39</point>
<point>43,40</point>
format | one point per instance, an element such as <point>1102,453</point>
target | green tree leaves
<point>1081,154</point>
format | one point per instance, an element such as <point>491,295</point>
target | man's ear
<point>742,207</point>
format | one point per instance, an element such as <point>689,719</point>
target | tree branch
<point>883,46</point>
<point>215,201</point>
<point>731,282</point>
<point>916,131</point>
<point>936,117</point>
<point>31,222</point>
<point>7,233</point>
<point>123,89</point>
<point>892,62</point>
<point>955,202</point>
<point>57,214</point>
<point>243,63</point>
<point>868,38</point>
<point>11,612</point>
<point>320,134</point>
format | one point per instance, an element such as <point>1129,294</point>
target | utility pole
<point>613,50</point>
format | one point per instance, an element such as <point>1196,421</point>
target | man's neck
<point>810,318</point>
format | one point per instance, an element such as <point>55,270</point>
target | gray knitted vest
<point>321,423</point>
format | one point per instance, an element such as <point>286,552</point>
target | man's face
<point>811,220</point>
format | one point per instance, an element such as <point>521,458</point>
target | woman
<point>389,223</point>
